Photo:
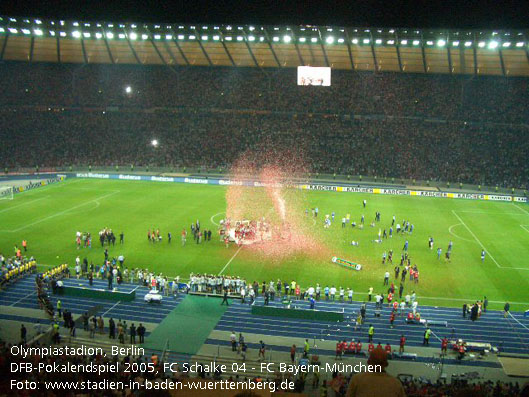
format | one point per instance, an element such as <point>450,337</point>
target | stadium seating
<point>396,125</point>
<point>505,334</point>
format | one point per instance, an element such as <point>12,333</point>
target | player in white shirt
<point>333,292</point>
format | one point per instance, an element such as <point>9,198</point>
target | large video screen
<point>308,75</point>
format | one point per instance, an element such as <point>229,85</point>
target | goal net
<point>6,193</point>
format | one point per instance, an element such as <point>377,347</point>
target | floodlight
<point>314,40</point>
<point>204,38</point>
<point>110,35</point>
<point>157,36</point>
<point>391,42</point>
<point>168,37</point>
<point>38,21</point>
<point>144,36</point>
<point>355,41</point>
<point>2,29</point>
<point>52,33</point>
<point>276,39</point>
<point>216,38</point>
<point>38,32</point>
<point>13,30</point>
<point>251,38</point>
<point>76,34</point>
<point>26,31</point>
<point>98,35</point>
<point>506,44</point>
<point>429,42</point>
<point>416,42</point>
<point>86,35</point>
<point>302,39</point>
<point>519,44</point>
<point>287,38</point>
<point>455,43</point>
<point>329,40</point>
<point>378,41</point>
<point>405,42</point>
<point>128,89</point>
<point>240,38</point>
<point>121,36</point>
<point>228,38</point>
<point>133,36</point>
<point>181,37</point>
<point>192,37</point>
<point>493,45</point>
<point>366,41</point>
<point>468,43</point>
<point>251,28</point>
<point>76,24</point>
<point>340,40</point>
<point>62,34</point>
<point>441,43</point>
<point>154,142</point>
<point>481,44</point>
<point>261,38</point>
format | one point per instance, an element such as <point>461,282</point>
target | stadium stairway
<point>506,334</point>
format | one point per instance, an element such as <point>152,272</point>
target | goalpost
<point>6,193</point>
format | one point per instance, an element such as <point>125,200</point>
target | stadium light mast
<point>155,143</point>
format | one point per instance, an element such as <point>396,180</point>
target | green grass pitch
<point>48,218</point>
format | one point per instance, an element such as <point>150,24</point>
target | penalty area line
<point>479,242</point>
<point>521,209</point>
<point>232,258</point>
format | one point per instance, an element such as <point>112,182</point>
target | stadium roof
<point>361,49</point>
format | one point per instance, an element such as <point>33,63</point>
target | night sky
<point>460,14</point>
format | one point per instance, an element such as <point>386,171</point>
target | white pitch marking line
<point>214,216</point>
<point>232,258</point>
<point>113,306</point>
<point>525,227</point>
<point>455,235</point>
<point>482,246</point>
<point>21,299</point>
<point>521,209</point>
<point>479,242</point>
<point>63,212</point>
<point>20,205</point>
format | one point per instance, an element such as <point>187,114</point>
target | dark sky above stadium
<point>383,13</point>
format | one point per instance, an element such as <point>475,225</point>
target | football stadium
<point>312,210</point>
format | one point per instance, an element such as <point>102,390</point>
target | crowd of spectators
<point>468,98</point>
<point>424,127</point>
<point>15,267</point>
